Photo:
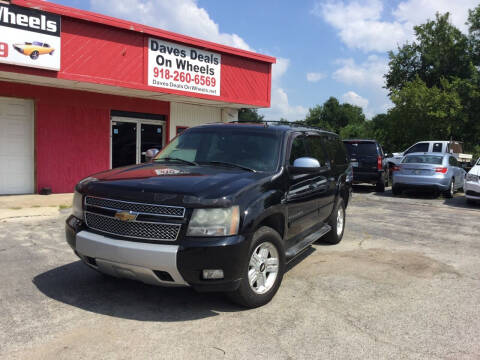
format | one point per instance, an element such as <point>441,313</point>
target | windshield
<point>423,159</point>
<point>247,148</point>
<point>355,148</point>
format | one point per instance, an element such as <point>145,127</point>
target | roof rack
<point>277,122</point>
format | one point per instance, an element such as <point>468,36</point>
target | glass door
<point>151,137</point>
<point>124,143</point>
<point>132,137</point>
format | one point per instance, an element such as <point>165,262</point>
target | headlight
<point>77,207</point>
<point>214,222</point>
<point>471,177</point>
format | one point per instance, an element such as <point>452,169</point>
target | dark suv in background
<point>224,207</point>
<point>368,163</point>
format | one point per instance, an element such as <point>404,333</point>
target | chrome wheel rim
<point>263,268</point>
<point>340,220</point>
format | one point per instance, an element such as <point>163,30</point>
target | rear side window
<point>423,159</point>
<point>452,161</point>
<point>421,147</point>
<point>437,147</point>
<point>336,151</point>
<point>358,148</point>
<point>298,149</point>
<point>316,149</point>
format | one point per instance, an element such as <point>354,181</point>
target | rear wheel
<point>34,55</point>
<point>382,183</point>
<point>263,274</point>
<point>396,190</point>
<point>337,223</point>
<point>451,190</point>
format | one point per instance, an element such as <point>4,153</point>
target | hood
<point>171,184</point>
<point>475,170</point>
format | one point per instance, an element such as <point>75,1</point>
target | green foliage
<point>249,115</point>
<point>434,84</point>
<point>334,116</point>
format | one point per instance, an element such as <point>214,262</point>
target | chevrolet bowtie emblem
<point>126,216</point>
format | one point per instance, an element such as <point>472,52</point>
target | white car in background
<point>472,184</point>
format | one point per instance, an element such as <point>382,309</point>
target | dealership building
<point>82,92</point>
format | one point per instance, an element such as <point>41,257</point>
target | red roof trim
<point>127,25</point>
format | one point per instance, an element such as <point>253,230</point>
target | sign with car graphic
<point>29,37</point>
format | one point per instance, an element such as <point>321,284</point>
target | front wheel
<point>263,273</point>
<point>337,223</point>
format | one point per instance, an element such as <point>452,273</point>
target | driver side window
<point>298,149</point>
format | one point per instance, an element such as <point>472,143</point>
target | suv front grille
<point>136,229</point>
<point>150,209</point>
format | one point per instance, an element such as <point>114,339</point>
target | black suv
<point>224,207</point>
<point>368,163</point>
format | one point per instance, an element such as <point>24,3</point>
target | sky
<point>323,48</point>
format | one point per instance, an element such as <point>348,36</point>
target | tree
<point>440,51</point>
<point>249,115</point>
<point>334,116</point>
<point>434,85</point>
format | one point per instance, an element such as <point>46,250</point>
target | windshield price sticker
<point>178,67</point>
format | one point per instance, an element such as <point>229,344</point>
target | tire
<point>266,244</point>
<point>380,187</point>
<point>471,201</point>
<point>34,55</point>
<point>337,222</point>
<point>396,190</point>
<point>451,190</point>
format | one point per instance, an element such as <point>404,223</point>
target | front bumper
<point>472,190</point>
<point>179,264</point>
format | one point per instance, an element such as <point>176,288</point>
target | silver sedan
<point>436,171</point>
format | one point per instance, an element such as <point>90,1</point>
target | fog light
<point>213,274</point>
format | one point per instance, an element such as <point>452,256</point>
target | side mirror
<point>150,154</point>
<point>305,165</point>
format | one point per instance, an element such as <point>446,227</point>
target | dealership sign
<point>178,67</point>
<point>29,37</point>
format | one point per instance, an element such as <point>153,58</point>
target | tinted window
<point>421,147</point>
<point>478,162</point>
<point>316,149</point>
<point>298,149</point>
<point>336,150</point>
<point>253,149</point>
<point>356,148</point>
<point>423,159</point>
<point>452,161</point>
<point>437,147</point>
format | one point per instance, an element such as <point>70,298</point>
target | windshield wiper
<point>179,160</point>
<point>221,163</point>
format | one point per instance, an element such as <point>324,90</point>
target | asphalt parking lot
<point>404,284</point>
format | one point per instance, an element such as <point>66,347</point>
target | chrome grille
<point>135,229</point>
<point>150,209</point>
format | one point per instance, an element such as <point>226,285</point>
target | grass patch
<point>15,208</point>
<point>62,207</point>
<point>36,206</point>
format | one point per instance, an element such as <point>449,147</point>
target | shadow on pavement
<point>77,285</point>
<point>460,201</point>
